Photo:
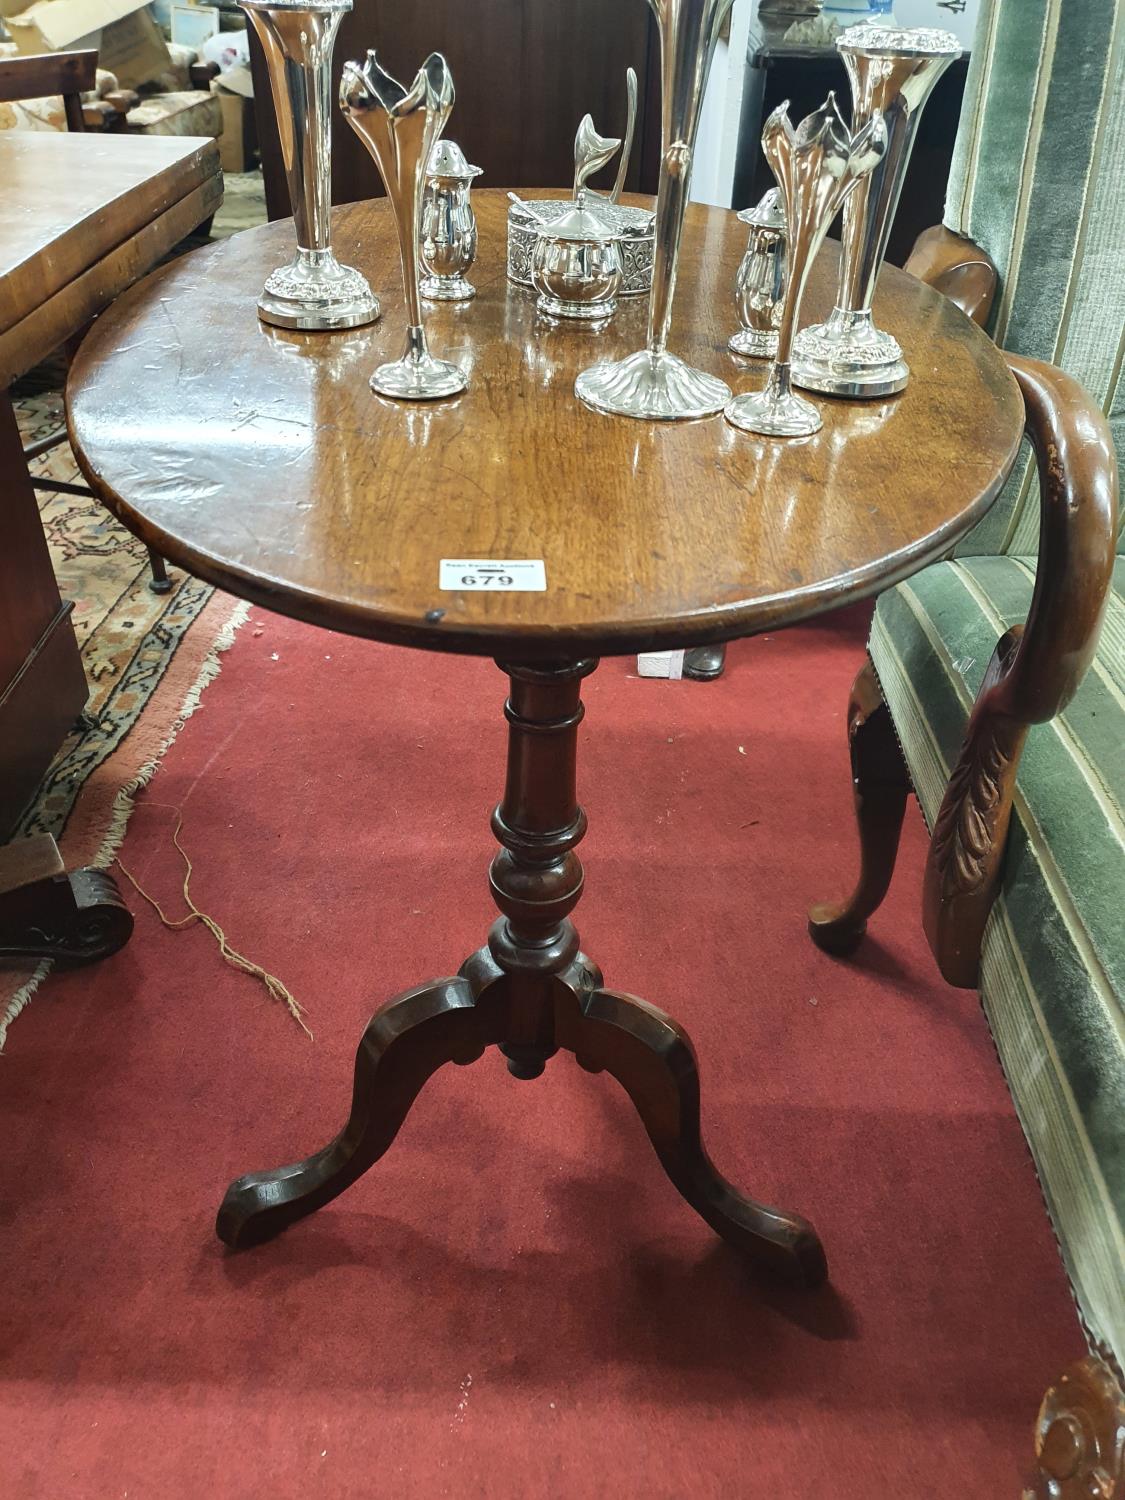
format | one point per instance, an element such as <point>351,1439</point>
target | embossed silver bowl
<point>632,228</point>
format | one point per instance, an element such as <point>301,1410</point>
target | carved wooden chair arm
<point>1035,669</point>
<point>957,267</point>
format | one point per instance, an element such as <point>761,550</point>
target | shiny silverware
<point>314,291</point>
<point>400,129</point>
<point>759,288</point>
<point>449,226</point>
<point>630,131</point>
<point>591,153</point>
<point>892,73</point>
<point>817,166</point>
<point>576,268</point>
<point>653,383</point>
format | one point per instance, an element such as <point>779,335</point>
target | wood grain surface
<point>72,198</point>
<point>260,459</point>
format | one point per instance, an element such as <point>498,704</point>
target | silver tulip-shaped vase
<point>653,383</point>
<point>816,166</point>
<point>314,291</point>
<point>892,73</point>
<point>400,128</point>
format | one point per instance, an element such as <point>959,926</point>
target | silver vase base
<point>446,289</point>
<point>848,356</point>
<point>653,387</point>
<point>775,411</point>
<point>315,294</point>
<point>749,343</point>
<point>417,376</point>
<point>576,312</point>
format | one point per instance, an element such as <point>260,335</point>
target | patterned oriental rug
<point>147,658</point>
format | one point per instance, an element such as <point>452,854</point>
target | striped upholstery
<point>1038,181</point>
<point>1053,964</point>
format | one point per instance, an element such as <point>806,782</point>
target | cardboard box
<point>237,142</point>
<point>128,41</point>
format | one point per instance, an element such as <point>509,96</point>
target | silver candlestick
<point>816,166</point>
<point>400,129</point>
<point>653,383</point>
<point>314,291</point>
<point>892,73</point>
<point>449,226</point>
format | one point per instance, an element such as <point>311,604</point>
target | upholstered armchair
<point>995,681</point>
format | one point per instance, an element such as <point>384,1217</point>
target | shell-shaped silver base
<point>599,311</point>
<point>848,356</point>
<point>775,411</point>
<point>750,343</point>
<point>417,376</point>
<point>653,387</point>
<point>315,293</point>
<point>447,289</point>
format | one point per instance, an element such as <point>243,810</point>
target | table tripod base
<point>529,992</point>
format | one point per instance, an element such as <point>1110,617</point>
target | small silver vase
<point>816,166</point>
<point>314,291</point>
<point>400,128</point>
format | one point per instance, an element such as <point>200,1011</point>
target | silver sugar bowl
<point>576,267</point>
<point>449,226</point>
<point>759,288</point>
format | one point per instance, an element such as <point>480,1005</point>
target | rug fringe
<point>21,999</point>
<point>124,801</point>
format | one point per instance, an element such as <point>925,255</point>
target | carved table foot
<point>1080,1437</point>
<point>46,913</point>
<point>529,992</point>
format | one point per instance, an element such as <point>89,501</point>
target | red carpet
<point>514,1302</point>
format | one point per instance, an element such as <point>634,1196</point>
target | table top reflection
<point>260,460</point>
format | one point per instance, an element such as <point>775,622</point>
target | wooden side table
<point>87,215</point>
<point>261,461</point>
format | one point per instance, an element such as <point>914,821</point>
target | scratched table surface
<point>260,459</point>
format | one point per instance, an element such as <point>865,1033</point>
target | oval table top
<point>260,459</point>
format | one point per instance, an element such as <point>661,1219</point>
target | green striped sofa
<point>1038,183</point>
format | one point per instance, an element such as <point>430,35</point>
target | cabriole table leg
<point>530,991</point>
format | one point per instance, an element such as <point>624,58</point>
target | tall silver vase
<point>400,128</point>
<point>314,291</point>
<point>892,73</point>
<point>653,383</point>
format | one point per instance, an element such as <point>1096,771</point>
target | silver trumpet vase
<point>653,383</point>
<point>314,291</point>
<point>400,128</point>
<point>892,73</point>
<point>817,166</point>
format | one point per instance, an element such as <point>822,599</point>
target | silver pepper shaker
<point>759,288</point>
<point>449,226</point>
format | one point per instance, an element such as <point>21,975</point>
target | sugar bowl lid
<point>448,160</point>
<point>578,224</point>
<point>768,214</point>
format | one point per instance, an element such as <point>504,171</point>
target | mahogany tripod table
<point>261,461</point>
